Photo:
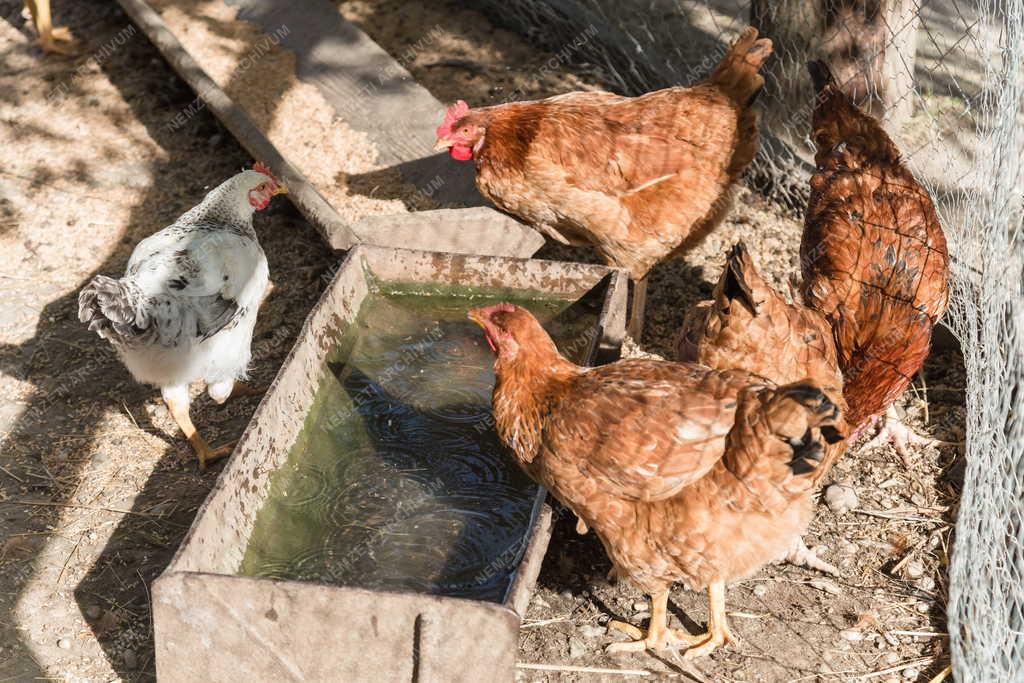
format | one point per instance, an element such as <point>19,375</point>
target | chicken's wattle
<point>461,152</point>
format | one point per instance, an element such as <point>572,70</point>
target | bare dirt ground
<point>97,486</point>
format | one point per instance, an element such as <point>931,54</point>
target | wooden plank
<point>373,94</point>
<point>302,193</point>
<point>478,230</point>
<point>370,91</point>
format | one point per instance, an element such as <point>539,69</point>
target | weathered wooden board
<point>371,93</point>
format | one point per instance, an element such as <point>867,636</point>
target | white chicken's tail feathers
<point>111,308</point>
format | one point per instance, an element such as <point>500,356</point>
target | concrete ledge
<point>479,230</point>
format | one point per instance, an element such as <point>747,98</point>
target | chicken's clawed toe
<point>660,637</point>
<point>702,644</point>
<point>207,454</point>
<point>903,438</point>
<point>800,555</point>
<point>61,33</point>
<point>695,645</point>
<point>654,639</point>
<point>630,630</point>
<point>622,648</point>
<point>59,42</point>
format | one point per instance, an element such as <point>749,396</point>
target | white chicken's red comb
<point>454,113</point>
<point>261,167</point>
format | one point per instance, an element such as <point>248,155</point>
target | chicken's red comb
<point>454,113</point>
<point>488,311</point>
<point>261,167</point>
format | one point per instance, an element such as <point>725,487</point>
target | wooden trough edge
<point>476,231</point>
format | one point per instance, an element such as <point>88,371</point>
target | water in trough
<point>398,480</point>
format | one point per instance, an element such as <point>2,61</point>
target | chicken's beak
<point>481,319</point>
<point>280,189</point>
<point>443,143</point>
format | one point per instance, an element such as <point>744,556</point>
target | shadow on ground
<point>78,379</point>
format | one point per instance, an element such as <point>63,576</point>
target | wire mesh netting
<point>947,80</point>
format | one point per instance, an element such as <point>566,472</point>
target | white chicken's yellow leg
<point>48,33</point>
<point>718,633</point>
<point>177,402</point>
<point>657,630</point>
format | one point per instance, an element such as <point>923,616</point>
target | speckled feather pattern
<point>750,326</point>
<point>874,256</point>
<point>639,178</point>
<point>186,306</point>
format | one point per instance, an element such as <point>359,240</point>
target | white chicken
<point>186,307</point>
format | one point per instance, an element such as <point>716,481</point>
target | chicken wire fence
<point>946,78</point>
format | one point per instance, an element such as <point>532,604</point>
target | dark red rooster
<point>640,178</point>
<point>873,256</point>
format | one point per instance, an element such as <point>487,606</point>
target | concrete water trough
<point>369,526</point>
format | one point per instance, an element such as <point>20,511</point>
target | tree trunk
<point>868,44</point>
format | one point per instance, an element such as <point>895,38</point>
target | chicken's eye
<point>465,130</point>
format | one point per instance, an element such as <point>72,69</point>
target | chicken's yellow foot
<point>49,35</point>
<point>50,45</point>
<point>178,405</point>
<point>660,637</point>
<point>207,453</point>
<point>902,437</point>
<point>630,630</point>
<point>657,635</point>
<point>718,633</point>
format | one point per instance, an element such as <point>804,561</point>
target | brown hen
<point>750,326</point>
<point>873,256</point>
<point>685,473</point>
<point>640,178</point>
